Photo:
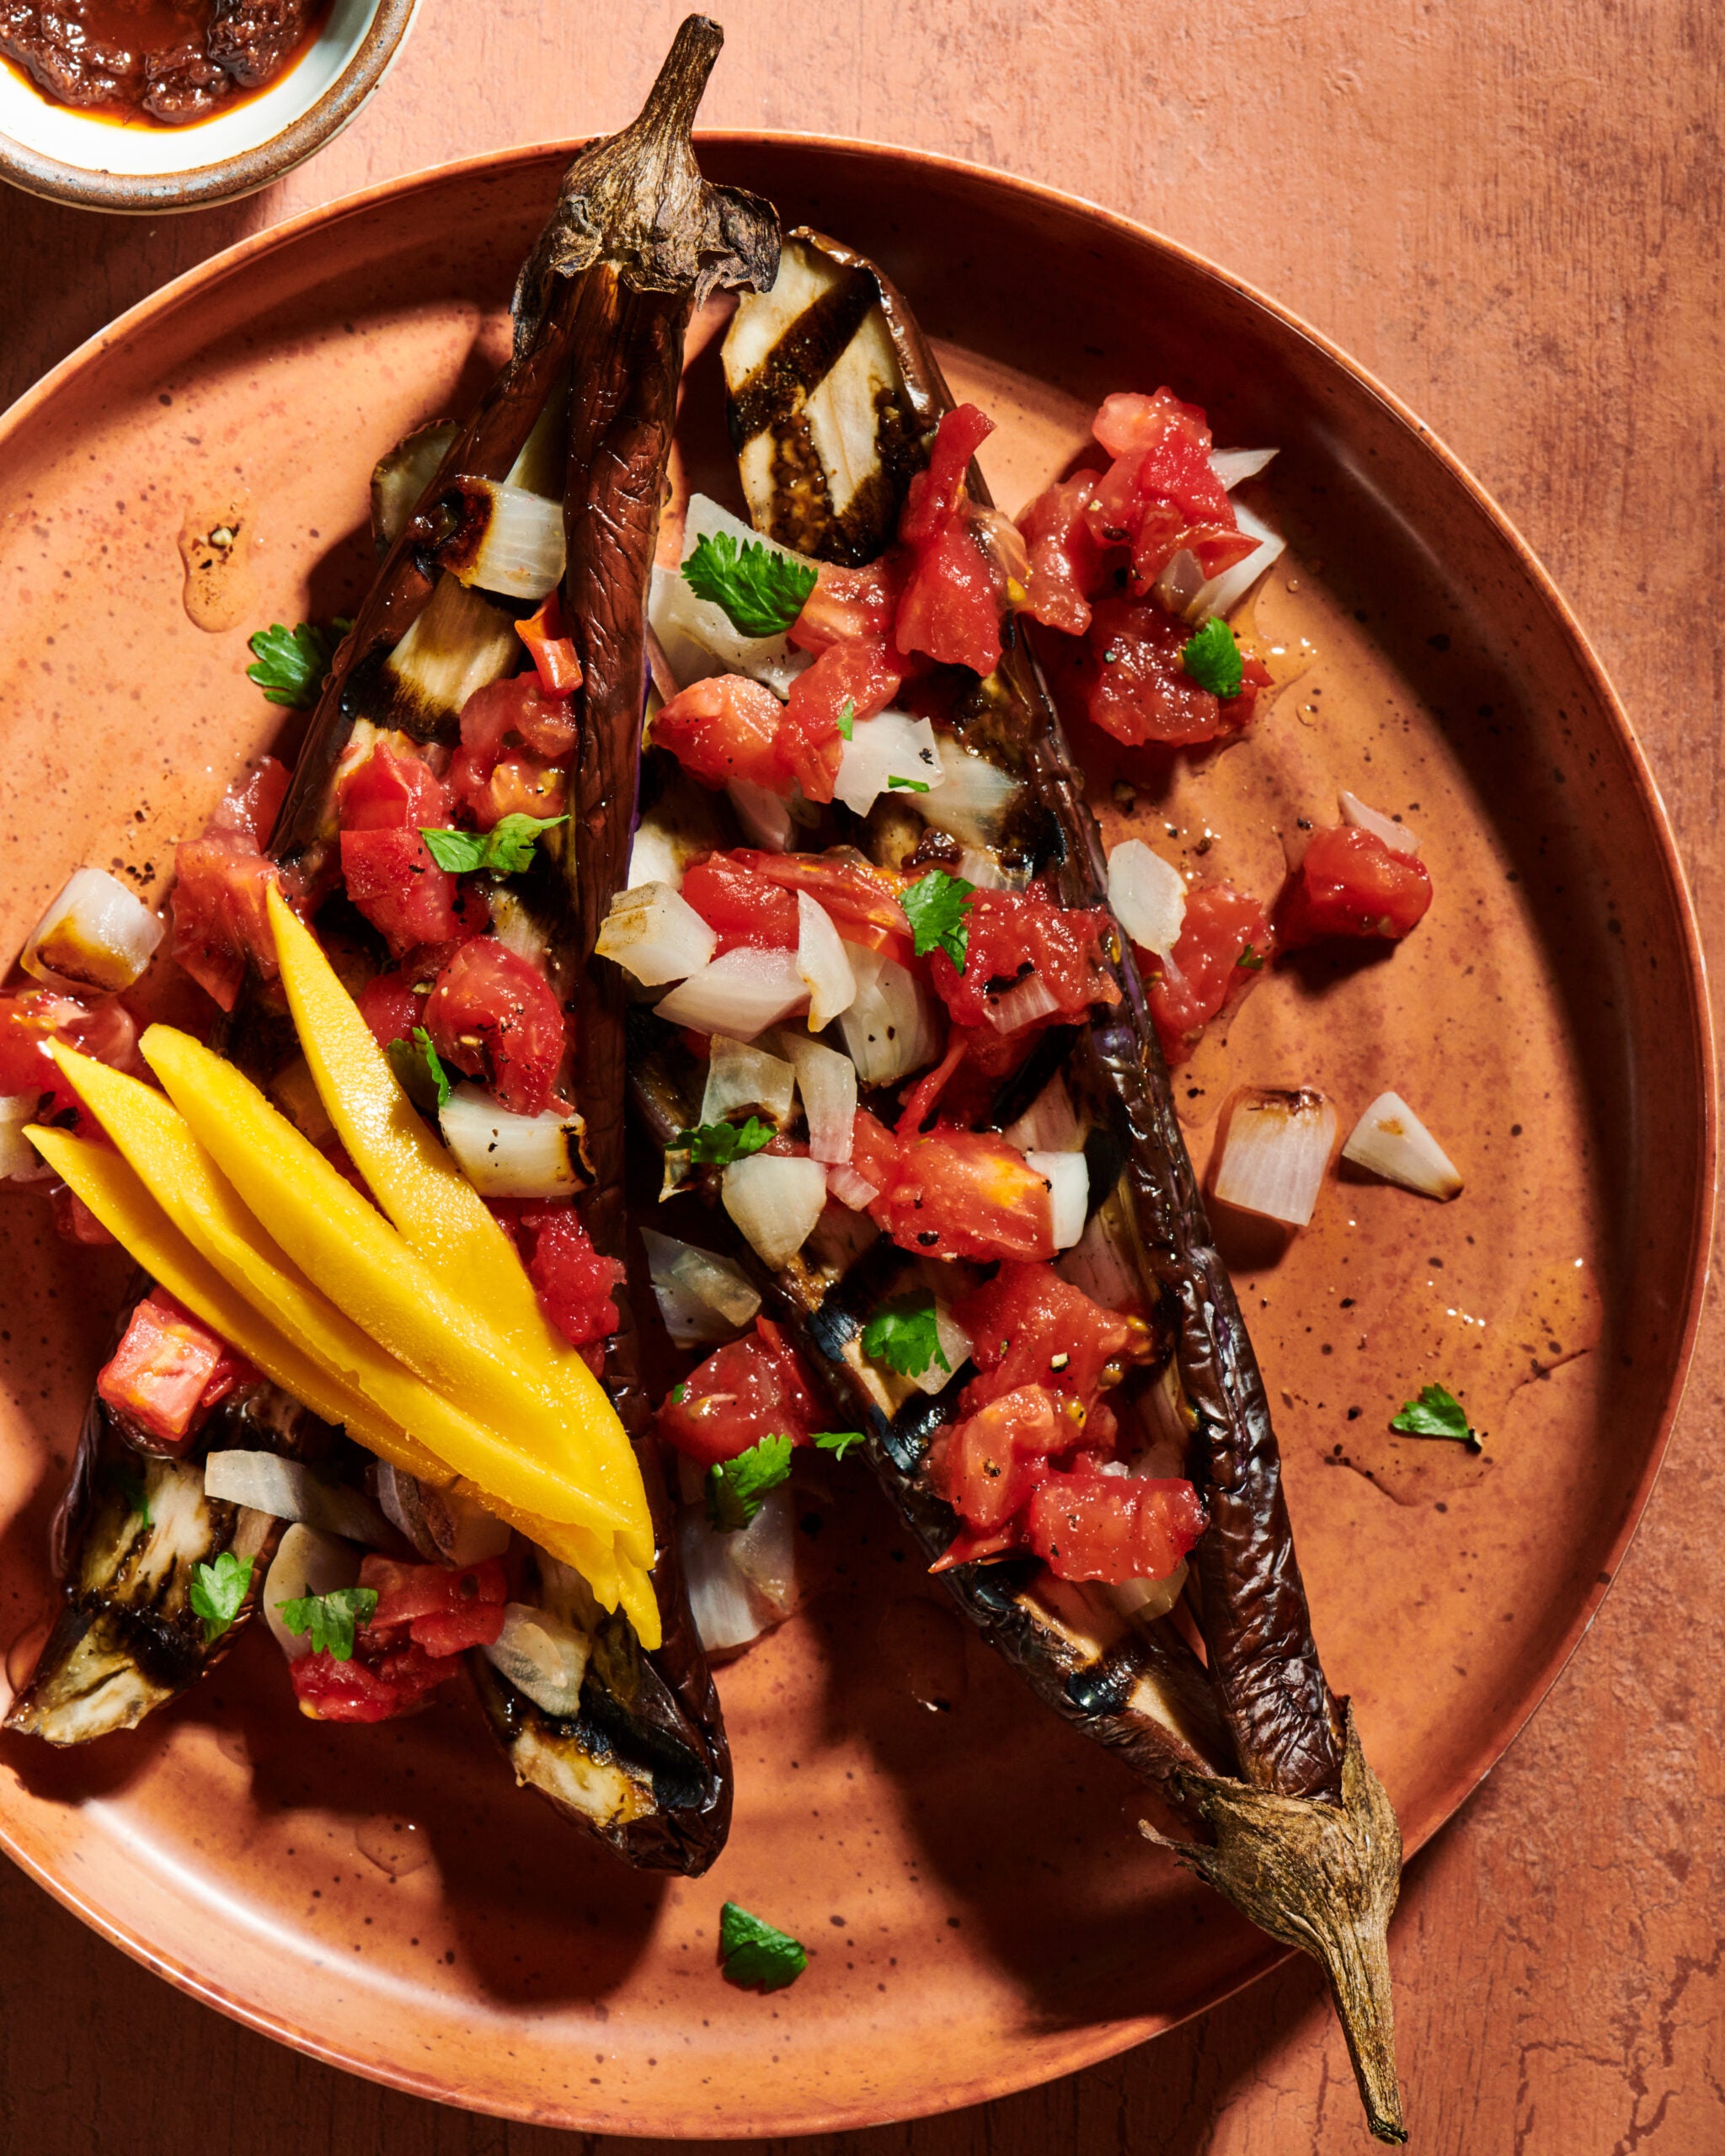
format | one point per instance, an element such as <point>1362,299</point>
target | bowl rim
<point>1092,2042</point>
<point>200,187</point>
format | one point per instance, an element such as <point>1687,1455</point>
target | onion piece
<point>702,1298</point>
<point>983,871</point>
<point>973,799</point>
<point>305,1562</point>
<point>764,816</point>
<point>509,540</point>
<point>459,644</point>
<point>1148,1599</point>
<point>1390,1140</point>
<point>741,1075</point>
<point>1224,593</point>
<point>1397,836</point>
<point>822,963</point>
<point>775,1199</point>
<point>852,1190</point>
<point>96,935</point>
<point>446,1526</point>
<point>893,1026</point>
<point>954,1345</point>
<point>728,1608</point>
<point>827,1083</point>
<point>1022,1006</point>
<point>765,1552</point>
<point>745,991</point>
<point>889,746</point>
<point>516,928</point>
<point>505,1155</point>
<point>1274,1157</point>
<point>1069,1193</point>
<point>1148,895</point>
<point>1050,1123</point>
<point>654,933</point>
<point>699,638</point>
<point>541,1657</point>
<point>1234,467</point>
<point>1180,582</point>
<point>19,1160</point>
<point>288,1489</point>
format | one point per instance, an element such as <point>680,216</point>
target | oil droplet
<point>395,1846</point>
<point>923,1653</point>
<point>231,1744</point>
<point>21,1655</point>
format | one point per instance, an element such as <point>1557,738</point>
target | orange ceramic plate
<point>981,1914</point>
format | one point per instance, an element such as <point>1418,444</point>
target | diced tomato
<point>157,1377</point>
<point>1128,681</point>
<point>726,728</point>
<point>987,1466</point>
<point>1029,1326</point>
<point>862,903</point>
<point>745,909</point>
<point>1066,559</point>
<point>74,1222</point>
<point>952,605</point>
<point>852,606</point>
<point>750,1389</point>
<point>965,1193</point>
<point>865,675</point>
<point>394,1004</point>
<point>552,650</point>
<point>384,798</point>
<point>1351,884</point>
<point>374,1686</point>
<point>514,740</point>
<point>442,1609</point>
<point>1211,965</point>
<point>496,1018</point>
<point>221,918</point>
<point>388,785</point>
<point>248,810</point>
<point>574,1284</point>
<point>31,1017</point>
<point>875,1151</point>
<point>1162,495</point>
<point>1014,934</point>
<point>1092,1526</point>
<point>922,1100</point>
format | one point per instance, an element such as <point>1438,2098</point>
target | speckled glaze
<point>980,1914</point>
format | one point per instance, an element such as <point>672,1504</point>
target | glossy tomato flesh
<point>497,1018</point>
<point>1351,884</point>
<point>1211,965</point>
<point>748,1390</point>
<point>1088,1525</point>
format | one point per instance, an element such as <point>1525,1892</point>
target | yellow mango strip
<point>435,1209</point>
<point>340,1240</point>
<point>157,1142</point>
<point>640,1604</point>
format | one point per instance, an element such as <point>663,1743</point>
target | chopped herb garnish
<point>756,1954</point>
<point>938,910</point>
<point>717,1144</point>
<point>736,1487</point>
<point>419,1072</point>
<point>1212,659</point>
<point>847,719</point>
<point>1252,961</point>
<point>1437,1413</point>
<point>838,1443</point>
<point>680,1392</point>
<point>132,1487</point>
<point>290,665</point>
<point>904,1336</point>
<point>906,785</point>
<point>331,1619</point>
<point>761,590</point>
<point>217,1592</point>
<point>506,849</point>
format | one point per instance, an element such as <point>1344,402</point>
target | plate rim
<point>1088,2043</point>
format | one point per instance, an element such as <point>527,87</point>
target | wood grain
<point>1513,214</point>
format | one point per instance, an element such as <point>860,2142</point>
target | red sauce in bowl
<point>169,63</point>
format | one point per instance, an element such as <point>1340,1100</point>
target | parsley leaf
<point>289,665</point>
<point>898,785</point>
<point>217,1591</point>
<point>756,1953</point>
<point>838,1443</point>
<point>132,1487</point>
<point>680,1392</point>
<point>504,851</point>
<point>419,1072</point>
<point>1250,960</point>
<point>736,1487</point>
<point>1437,1413</point>
<point>717,1144</point>
<point>1212,659</point>
<point>904,1335</point>
<point>847,719</point>
<point>937,909</point>
<point>761,590</point>
<point>331,1619</point>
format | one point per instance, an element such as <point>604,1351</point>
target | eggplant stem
<point>1323,1878</point>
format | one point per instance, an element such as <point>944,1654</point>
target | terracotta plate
<point>981,1913</point>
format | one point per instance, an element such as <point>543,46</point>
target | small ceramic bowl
<point>69,156</point>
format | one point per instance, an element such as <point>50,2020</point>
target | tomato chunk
<point>851,606</point>
<point>726,728</point>
<point>550,648</point>
<point>1029,1326</point>
<point>1066,558</point>
<point>32,1018</point>
<point>1161,493</point>
<point>574,1284</point>
<point>1088,1525</point>
<point>1351,884</point>
<point>745,908</point>
<point>514,740</point>
<point>864,677</point>
<point>952,605</point>
<point>496,1018</point>
<point>167,1372</point>
<point>1225,940</point>
<point>384,798</point>
<point>375,1685</point>
<point>750,1389</point>
<point>965,1193</point>
<point>988,1467</point>
<point>222,880</point>
<point>443,1609</point>
<point>1014,935</point>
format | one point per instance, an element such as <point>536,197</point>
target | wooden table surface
<point>1510,212</point>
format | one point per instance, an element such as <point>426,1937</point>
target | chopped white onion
<point>1069,1192</point>
<point>505,1155</point>
<point>889,746</point>
<point>1180,582</point>
<point>699,638</point>
<point>764,1551</point>
<point>654,933</point>
<point>972,799</point>
<point>985,871</point>
<point>954,1345</point>
<point>892,1027</point>
<point>305,1562</point>
<point>745,991</point>
<point>742,1583</point>
<point>1148,895</point>
<point>823,964</point>
<point>1148,1599</point>
<point>19,1160</point>
<point>96,935</point>
<point>288,1489</point>
<point>516,927</point>
<point>775,1199</point>
<point>741,1075</point>
<point>1050,1123</point>
<point>851,1189</point>
<point>1274,1155</point>
<point>543,1657</point>
<point>652,859</point>
<point>1234,467</point>
<point>1397,836</point>
<point>702,1298</point>
<point>1390,1140</point>
<point>521,548</point>
<point>1224,593</point>
<point>827,1081</point>
<point>1022,1006</point>
<point>764,816</point>
<point>447,1526</point>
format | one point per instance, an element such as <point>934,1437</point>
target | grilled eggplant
<point>1221,1703</point>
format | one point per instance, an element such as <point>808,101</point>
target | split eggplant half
<point>546,488</point>
<point>1219,1700</point>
